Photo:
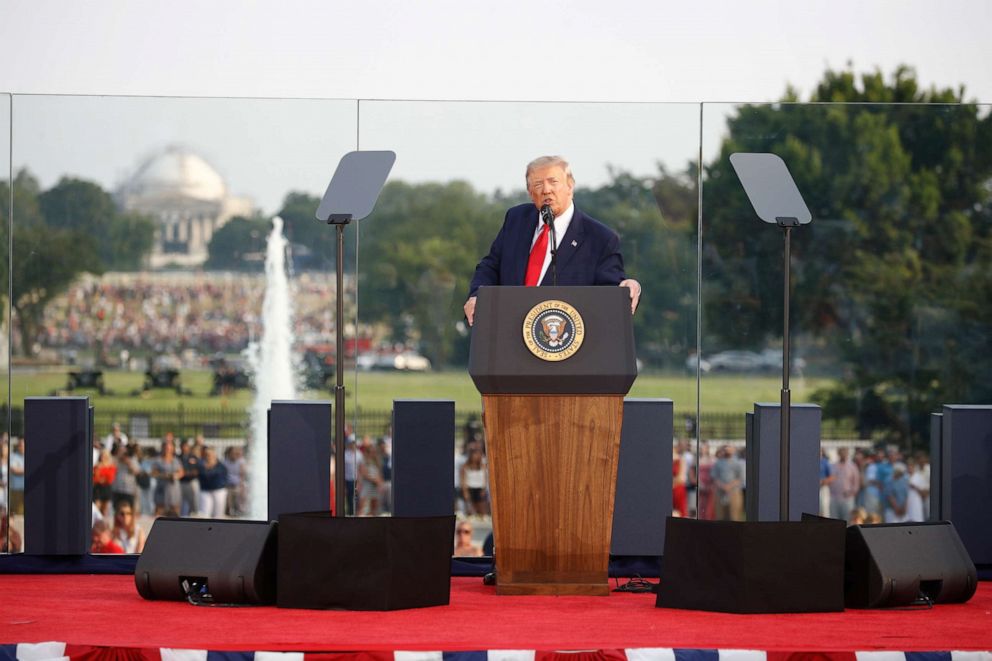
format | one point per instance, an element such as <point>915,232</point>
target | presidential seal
<point>553,330</point>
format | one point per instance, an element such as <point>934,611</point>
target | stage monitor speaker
<point>899,564</point>
<point>209,560</point>
<point>374,563</point>
<point>754,566</point>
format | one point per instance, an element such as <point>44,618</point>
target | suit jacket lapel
<point>569,244</point>
<point>522,242</point>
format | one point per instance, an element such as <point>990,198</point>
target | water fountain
<point>272,363</point>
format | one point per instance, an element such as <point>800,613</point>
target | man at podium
<point>588,250</point>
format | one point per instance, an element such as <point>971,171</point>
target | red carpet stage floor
<point>107,611</point>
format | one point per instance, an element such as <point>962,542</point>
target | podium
<point>553,365</point>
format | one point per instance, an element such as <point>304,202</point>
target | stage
<point>106,611</point>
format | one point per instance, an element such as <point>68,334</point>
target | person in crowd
<point>115,438</point>
<point>10,539</point>
<point>213,485</point>
<point>896,494</point>
<point>16,478</point>
<point>464,546</point>
<point>705,501</point>
<point>237,480</point>
<point>680,504</point>
<point>4,455</point>
<point>189,485</point>
<point>918,500</point>
<point>167,471</point>
<point>124,488</point>
<point>127,532</point>
<point>588,251</point>
<point>384,447</point>
<point>826,478</point>
<point>691,475</point>
<point>146,481</point>
<point>351,462</point>
<point>845,485</point>
<point>728,481</point>
<point>370,479</point>
<point>475,481</point>
<point>857,516</point>
<point>103,539</point>
<point>104,474</point>
<point>874,480</point>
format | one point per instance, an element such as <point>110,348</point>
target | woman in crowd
<point>125,485</point>
<point>213,485</point>
<point>475,482</point>
<point>370,479</point>
<point>167,471</point>
<point>464,547</point>
<point>103,478</point>
<point>127,532</point>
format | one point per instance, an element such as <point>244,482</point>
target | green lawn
<point>377,390</point>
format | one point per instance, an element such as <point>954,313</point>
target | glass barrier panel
<point>142,229</point>
<point>11,527</point>
<point>889,298</point>
<point>459,167</point>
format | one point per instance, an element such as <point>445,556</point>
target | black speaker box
<point>232,561</point>
<point>753,567</point>
<point>376,563</point>
<point>898,564</point>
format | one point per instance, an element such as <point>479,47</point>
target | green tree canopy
<point>895,264</point>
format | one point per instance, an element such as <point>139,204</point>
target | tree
<point>239,245</point>
<point>46,260</point>
<point>892,277</point>
<point>656,220</point>
<point>120,240</point>
<point>422,245</point>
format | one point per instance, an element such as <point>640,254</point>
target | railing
<point>233,423</point>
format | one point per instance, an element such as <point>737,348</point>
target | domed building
<point>190,200</point>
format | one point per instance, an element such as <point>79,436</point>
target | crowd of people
<point>134,482</point>
<point>187,478</point>
<point>856,484</point>
<point>171,313</point>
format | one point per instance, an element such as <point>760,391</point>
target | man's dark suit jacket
<point>588,253</point>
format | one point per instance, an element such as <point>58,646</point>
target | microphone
<point>548,218</point>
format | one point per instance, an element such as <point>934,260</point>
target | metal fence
<point>233,423</point>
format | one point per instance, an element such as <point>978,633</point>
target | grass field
<point>376,390</point>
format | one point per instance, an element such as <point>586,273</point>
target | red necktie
<point>537,254</point>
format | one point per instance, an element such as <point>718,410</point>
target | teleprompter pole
<point>786,399</point>
<point>339,222</point>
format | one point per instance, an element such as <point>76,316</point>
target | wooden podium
<point>553,365</point>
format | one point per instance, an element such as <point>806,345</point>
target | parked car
<point>736,361</point>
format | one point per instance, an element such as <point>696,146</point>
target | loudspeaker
<point>763,441</point>
<point>375,563</point>
<point>299,459</point>
<point>58,475</point>
<point>423,457</point>
<point>644,478</point>
<point>218,560</point>
<point>753,567</point>
<point>897,564</point>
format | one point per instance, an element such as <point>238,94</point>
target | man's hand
<point>469,309</point>
<point>635,294</point>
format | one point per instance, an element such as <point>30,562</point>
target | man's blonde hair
<point>548,161</point>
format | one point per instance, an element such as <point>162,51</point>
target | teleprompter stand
<point>777,200</point>
<point>351,195</point>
